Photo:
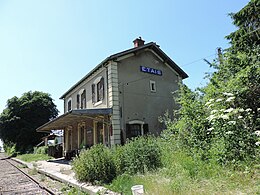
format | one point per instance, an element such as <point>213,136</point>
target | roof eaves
<point>167,59</point>
<point>51,121</point>
<point>112,57</point>
<point>79,113</point>
<point>85,77</point>
<point>151,45</point>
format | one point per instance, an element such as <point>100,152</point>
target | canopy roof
<point>74,116</point>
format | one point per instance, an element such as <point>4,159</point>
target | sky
<point>50,45</point>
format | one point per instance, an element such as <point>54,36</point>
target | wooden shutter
<point>93,94</point>
<point>83,99</point>
<point>128,131</point>
<point>146,129</point>
<point>102,91</point>
<point>69,105</point>
<point>78,101</point>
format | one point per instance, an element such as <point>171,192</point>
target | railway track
<point>15,181</point>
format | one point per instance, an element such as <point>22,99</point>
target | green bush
<point>140,155</point>
<point>95,164</point>
<point>41,150</point>
<point>10,148</point>
<point>119,159</point>
<point>102,164</point>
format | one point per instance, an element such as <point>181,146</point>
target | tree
<point>18,122</point>
<point>239,72</point>
<point>247,36</point>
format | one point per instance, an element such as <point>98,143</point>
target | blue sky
<point>49,45</point>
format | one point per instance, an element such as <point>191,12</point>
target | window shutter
<point>102,89</point>
<point>93,94</point>
<point>128,131</point>
<point>69,105</point>
<point>78,101</point>
<point>146,129</point>
<point>85,99</point>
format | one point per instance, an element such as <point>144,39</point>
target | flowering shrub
<point>219,130</point>
<point>233,128</point>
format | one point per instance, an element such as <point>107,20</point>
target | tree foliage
<point>248,34</point>
<point>222,120</point>
<point>18,122</point>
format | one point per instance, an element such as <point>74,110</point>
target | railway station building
<point>121,98</point>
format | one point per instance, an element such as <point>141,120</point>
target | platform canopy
<point>75,116</point>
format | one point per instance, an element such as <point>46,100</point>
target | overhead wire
<point>192,62</point>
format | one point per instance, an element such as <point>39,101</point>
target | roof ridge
<point>153,46</point>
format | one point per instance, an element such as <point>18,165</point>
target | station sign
<point>150,70</point>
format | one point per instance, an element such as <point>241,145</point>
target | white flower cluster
<point>232,122</point>
<point>229,132</point>
<point>209,102</point>
<point>228,94</point>
<point>229,110</point>
<point>257,133</point>
<point>228,97</point>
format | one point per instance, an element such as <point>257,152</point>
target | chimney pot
<point>138,42</point>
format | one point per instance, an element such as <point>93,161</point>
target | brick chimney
<point>138,42</point>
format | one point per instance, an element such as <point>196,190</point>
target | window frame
<point>98,91</point>
<point>153,86</point>
<point>69,104</point>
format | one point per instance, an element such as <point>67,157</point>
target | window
<point>81,99</point>
<point>136,128</point>
<point>133,130</point>
<point>98,90</point>
<point>69,105</point>
<point>152,86</point>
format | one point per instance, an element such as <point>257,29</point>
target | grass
<point>33,157</point>
<point>182,174</point>
<point>159,183</point>
<point>33,171</point>
<point>67,190</point>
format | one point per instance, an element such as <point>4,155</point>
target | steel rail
<point>28,176</point>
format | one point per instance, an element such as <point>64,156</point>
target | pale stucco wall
<point>86,84</point>
<point>136,99</point>
<point>131,98</point>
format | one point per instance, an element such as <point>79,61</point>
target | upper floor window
<point>152,86</point>
<point>69,105</point>
<point>98,90</point>
<point>81,99</point>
